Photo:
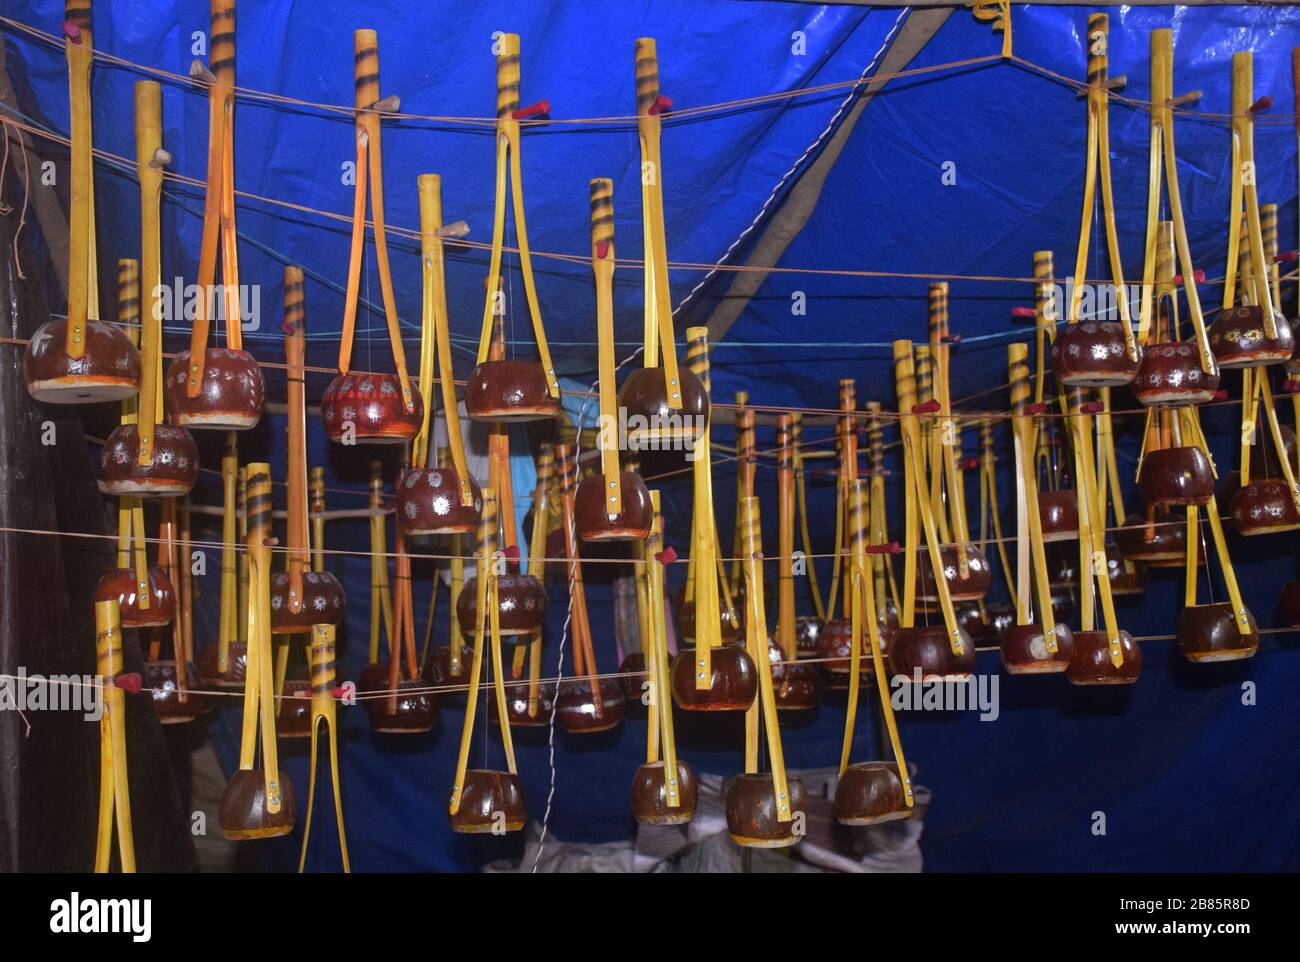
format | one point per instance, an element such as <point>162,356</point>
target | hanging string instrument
<point>1218,631</point>
<point>659,798</point>
<point>713,675</point>
<point>1173,470</point>
<point>398,701</point>
<point>144,593</point>
<point>593,703</point>
<point>218,388</point>
<point>1043,646</point>
<point>808,628</point>
<point>501,389</point>
<point>963,566</point>
<point>1092,352</point>
<point>1172,371</point>
<point>664,402</point>
<point>81,359</point>
<point>440,498</point>
<point>169,679</point>
<point>835,644</point>
<point>1253,334</point>
<point>529,704</point>
<point>149,457</point>
<point>763,809</point>
<point>1057,503</point>
<point>796,687</point>
<point>369,407</point>
<point>869,792</point>
<point>704,526</point>
<point>1267,504</point>
<point>300,597</point>
<point>612,505</point>
<point>258,802</point>
<point>487,800</point>
<point>1107,656</point>
<point>943,651</point>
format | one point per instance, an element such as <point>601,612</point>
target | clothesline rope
<point>676,114</point>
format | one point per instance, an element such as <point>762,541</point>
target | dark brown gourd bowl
<point>1093,354</point>
<point>797,687</point>
<point>1125,581</point>
<point>109,370</point>
<point>926,648</point>
<point>428,502</point>
<point>1058,513</point>
<point>1024,650</point>
<point>243,813</point>
<point>1001,618</point>
<point>119,584</point>
<point>232,678</point>
<point>509,390</point>
<point>171,474</point>
<point>1238,338</point>
<point>631,522</point>
<point>644,397</point>
<point>972,587</point>
<point>372,404</point>
<point>1262,507</point>
<point>437,671</point>
<point>1062,566</point>
<point>575,707</point>
<point>293,711</point>
<point>490,801</point>
<point>835,648</point>
<point>322,598</point>
<point>807,635</point>
<point>869,793</point>
<point>1176,477</point>
<point>1211,633</point>
<point>520,598</point>
<point>230,399</point>
<point>650,795</point>
<point>1168,544</point>
<point>160,679</point>
<point>1291,602</point>
<point>633,671</point>
<point>730,628</point>
<point>517,705</point>
<point>1091,665</point>
<point>1171,373</point>
<point>733,680</point>
<point>412,711</point>
<point>751,811</point>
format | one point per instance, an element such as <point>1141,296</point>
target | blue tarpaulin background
<point>1189,776</point>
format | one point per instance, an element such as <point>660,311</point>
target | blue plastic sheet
<point>1188,774</point>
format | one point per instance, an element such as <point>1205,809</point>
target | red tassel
<point>667,556</point>
<point>929,407</point>
<point>128,682</point>
<point>541,108</point>
<point>661,105</point>
<point>72,31</point>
